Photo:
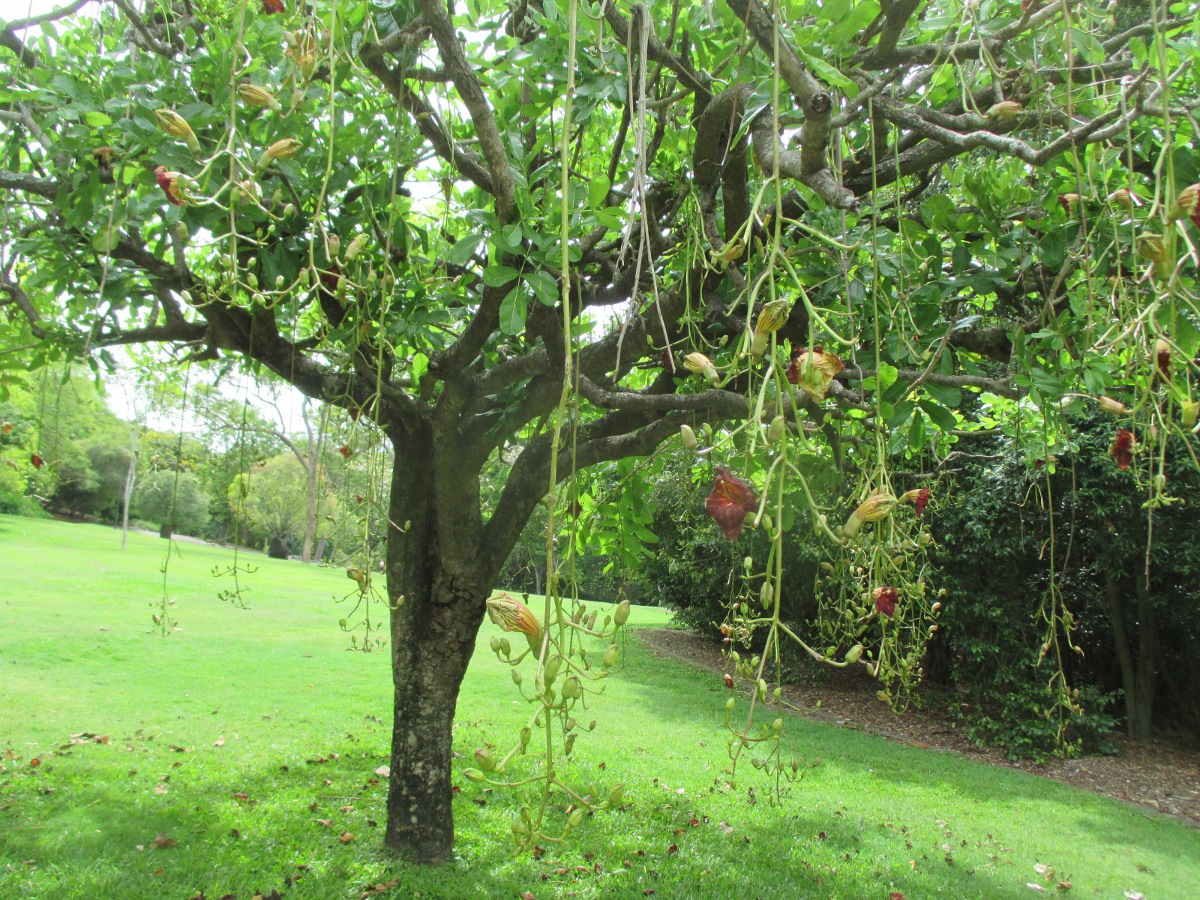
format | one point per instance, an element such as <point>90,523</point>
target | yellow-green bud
<point>284,148</point>
<point>517,677</point>
<point>777,429</point>
<point>621,616</point>
<point>610,655</point>
<point>1005,109</point>
<point>253,95</point>
<point>1189,412</point>
<point>689,438</point>
<point>473,775</point>
<point>483,758</point>
<point>854,654</point>
<point>702,365</point>
<point>177,127</point>
<point>355,247</point>
<point>615,795</point>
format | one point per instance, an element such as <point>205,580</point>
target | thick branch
<point>477,105</point>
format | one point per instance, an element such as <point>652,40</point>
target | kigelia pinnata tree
<point>547,234</point>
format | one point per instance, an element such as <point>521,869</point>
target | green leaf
<point>497,275</point>
<point>460,254</point>
<point>941,417</point>
<point>513,310</point>
<point>107,238</point>
<point>97,119</point>
<point>544,287</point>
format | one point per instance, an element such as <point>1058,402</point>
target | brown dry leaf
<point>326,822</point>
<point>345,837</point>
<point>346,809</point>
<point>35,762</point>
<point>219,742</point>
<point>528,895</point>
<point>160,789</point>
<point>162,842</point>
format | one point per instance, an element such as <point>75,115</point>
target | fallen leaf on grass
<point>1134,895</point>
<point>1034,887</point>
<point>162,842</point>
<point>528,895</point>
<point>326,822</point>
<point>1064,885</point>
<point>725,829</point>
<point>160,789</point>
<point>374,890</point>
<point>345,837</point>
<point>219,742</point>
<point>383,772</point>
<point>35,762</point>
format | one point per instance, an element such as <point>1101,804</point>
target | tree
<point>273,498</point>
<point>175,500</point>
<point>421,212</point>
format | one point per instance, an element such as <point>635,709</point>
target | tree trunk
<point>319,553</point>
<point>438,583</point>
<point>1137,675</point>
<point>165,530</point>
<point>278,548</point>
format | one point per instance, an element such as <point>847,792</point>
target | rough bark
<point>1137,673</point>
<point>437,607</point>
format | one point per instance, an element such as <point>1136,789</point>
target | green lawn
<point>244,730</point>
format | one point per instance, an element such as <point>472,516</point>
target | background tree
<point>273,498</point>
<point>173,500</point>
<point>425,213</point>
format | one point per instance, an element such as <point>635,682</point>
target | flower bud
<point>1111,406</point>
<point>615,795</point>
<point>1005,109</point>
<point>771,318</point>
<point>1189,412</point>
<point>483,758</point>
<point>777,429</point>
<point>253,95</point>
<point>575,818</point>
<point>525,736</point>
<point>355,247</point>
<point>571,689</point>
<point>1123,197</point>
<point>1152,247</point>
<point>473,775</point>
<point>621,616</point>
<point>513,615</point>
<point>689,438</point>
<point>1162,358</point>
<point>610,655</point>
<point>1187,205</point>
<point>516,676</point>
<point>553,665</point>
<point>854,654</point>
<point>284,148</point>
<point>875,508</point>
<point>177,127</point>
<point>700,364</point>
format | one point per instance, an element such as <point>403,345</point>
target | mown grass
<point>242,732</point>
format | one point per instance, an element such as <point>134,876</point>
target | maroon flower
<point>271,7</point>
<point>730,502</point>
<point>668,360</point>
<point>885,600</point>
<point>918,497</point>
<point>1162,358</point>
<point>1122,448</point>
<point>37,461</point>
<point>729,682</point>
<point>345,451</point>
<point>169,182</point>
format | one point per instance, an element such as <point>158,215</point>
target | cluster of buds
<point>813,371</point>
<point>302,50</point>
<point>285,148</point>
<point>771,318</point>
<point>253,95</point>
<point>177,127</point>
<point>700,364</point>
<point>510,614</point>
<point>875,508</point>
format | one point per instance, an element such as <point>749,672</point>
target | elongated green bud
<point>689,438</point>
<point>610,655</point>
<point>553,664</point>
<point>621,616</point>
<point>777,429</point>
<point>854,654</point>
<point>473,775</point>
<point>483,759</point>
<point>177,127</point>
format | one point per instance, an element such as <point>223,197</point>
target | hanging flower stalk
<point>730,502</point>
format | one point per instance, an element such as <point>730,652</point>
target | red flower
<point>354,413</point>
<point>1122,448</point>
<point>1162,358</point>
<point>729,682</point>
<point>169,182</point>
<point>918,497</point>
<point>885,600</point>
<point>270,7</point>
<point>730,502</point>
<point>329,278</point>
<point>345,451</point>
<point>37,461</point>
